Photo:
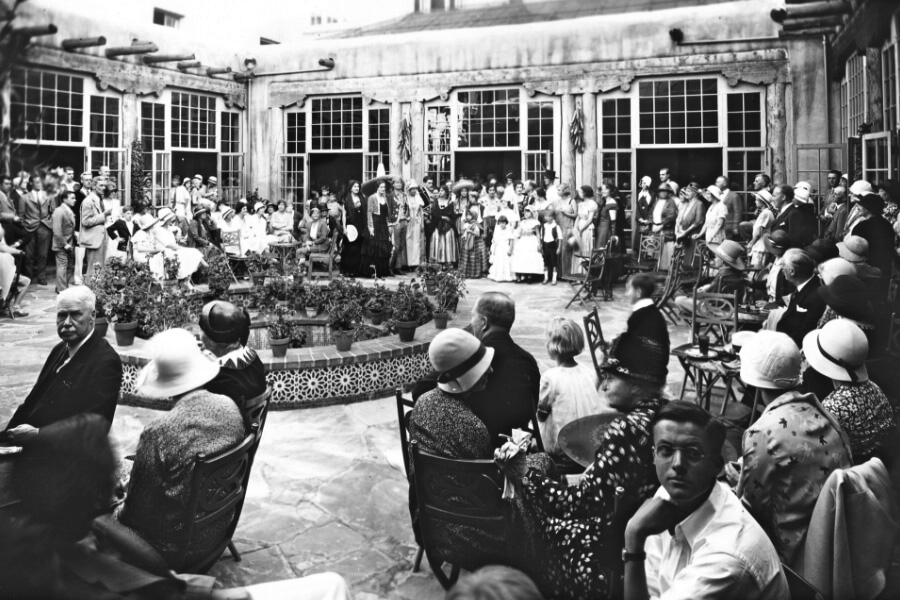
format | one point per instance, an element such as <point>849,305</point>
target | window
<point>231,132</point>
<point>539,140</point>
<point>231,159</point>
<point>104,122</point>
<point>295,136</point>
<point>845,110</point>
<point>889,85</point>
<point>166,18</point>
<point>193,121</point>
<point>153,125</point>
<point>746,153</point>
<point>680,111</point>
<point>46,106</point>
<point>160,177</point>
<point>337,124</point>
<point>379,148</point>
<point>856,93</point>
<point>437,143</point>
<point>615,141</point>
<point>876,156</point>
<point>489,119</point>
<point>293,180</point>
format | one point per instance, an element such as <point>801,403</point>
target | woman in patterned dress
<point>472,255</point>
<point>566,213</point>
<point>584,227</point>
<point>443,241</point>
<point>399,224</point>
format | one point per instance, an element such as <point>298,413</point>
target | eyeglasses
<point>666,452</point>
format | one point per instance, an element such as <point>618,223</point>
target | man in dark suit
<point>783,202</point>
<point>806,305</point>
<point>82,374</point>
<point>123,229</point>
<point>802,224</point>
<point>646,321</point>
<point>509,400</point>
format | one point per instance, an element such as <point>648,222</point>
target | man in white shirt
<point>664,178</point>
<point>695,537</point>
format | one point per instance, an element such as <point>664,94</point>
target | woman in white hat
<point>145,248</point>
<point>253,235</point>
<point>761,226</point>
<point>838,351</point>
<point>189,259</point>
<point>200,422</point>
<point>713,230</point>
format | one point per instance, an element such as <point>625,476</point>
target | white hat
<point>714,191</point>
<point>803,185</point>
<point>833,268</point>
<point>765,195</point>
<point>860,187</point>
<point>200,177</point>
<point>460,359</point>
<point>771,360</point>
<point>212,179</point>
<point>801,194</point>
<point>854,249</point>
<point>147,221</point>
<point>178,366</point>
<point>412,184</point>
<point>228,212</point>
<point>838,351</point>
<point>165,215</point>
<point>259,205</point>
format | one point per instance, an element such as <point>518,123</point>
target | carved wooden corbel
<point>287,100</point>
<point>755,73</point>
<point>238,100</point>
<point>127,84</point>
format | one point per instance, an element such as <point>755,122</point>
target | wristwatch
<point>633,556</point>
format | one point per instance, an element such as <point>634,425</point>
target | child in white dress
<point>569,391</point>
<point>501,252</point>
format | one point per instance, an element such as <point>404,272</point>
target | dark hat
<point>550,173</point>
<point>223,322</point>
<point>199,210</point>
<point>873,202</point>
<point>849,297</point>
<point>822,249</point>
<point>664,187</point>
<point>638,358</point>
<point>510,175</point>
<point>777,241</point>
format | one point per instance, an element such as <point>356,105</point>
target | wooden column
<point>567,159</point>
<point>589,158</point>
<point>417,161</point>
<point>131,117</point>
<point>395,167</point>
<point>776,118</point>
<point>5,125</point>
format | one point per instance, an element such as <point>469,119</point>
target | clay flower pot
<point>279,346</point>
<point>125,332</point>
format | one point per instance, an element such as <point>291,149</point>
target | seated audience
<point>805,307</point>
<point>10,275</point>
<point>225,329</point>
<point>831,269</point>
<point>839,351</point>
<point>569,390</point>
<point>729,278</point>
<point>494,583</point>
<point>574,521</point>
<point>200,422</point>
<point>317,237</point>
<point>256,226</point>
<point>646,320</point>
<point>694,539</point>
<point>189,259</point>
<point>877,231</point>
<point>792,448</point>
<point>82,374</point>
<point>281,222</point>
<point>202,231</point>
<point>777,243</point>
<point>855,250</point>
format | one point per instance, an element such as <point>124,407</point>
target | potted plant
<point>164,309</point>
<point>125,304</point>
<point>259,266</point>
<point>101,322</point>
<point>450,287</point>
<point>313,297</point>
<point>377,303</point>
<point>428,272</point>
<point>344,318</point>
<point>171,265</point>
<point>219,274</point>
<point>279,333</point>
<point>410,308</point>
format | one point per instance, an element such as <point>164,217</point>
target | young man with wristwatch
<point>694,539</point>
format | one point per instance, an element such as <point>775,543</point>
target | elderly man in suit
<point>64,241</point>
<point>82,374</point>
<point>93,228</point>
<point>806,306</point>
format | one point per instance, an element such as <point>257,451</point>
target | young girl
<point>472,259</point>
<point>551,246</point>
<point>569,390</point>
<point>526,256</point>
<point>501,251</point>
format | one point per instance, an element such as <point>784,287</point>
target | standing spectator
<point>783,202</point>
<point>550,186</point>
<point>501,252</point>
<point>566,214</point>
<point>665,178</point>
<point>829,203</point>
<point>734,204</point>
<point>551,246</point>
<point>662,222</point>
<point>645,202</point>
<point>757,246</point>
<point>443,241</point>
<point>36,215</point>
<point>87,184</point>
<point>93,229</point>
<point>526,257</point>
<point>872,227</point>
<point>838,219</point>
<point>716,216</point>
<point>608,213</point>
<point>472,255</point>
<point>9,217</point>
<point>355,230</point>
<point>584,227</point>
<point>399,221</point>
<point>64,241</point>
<point>182,198</point>
<point>802,224</point>
<point>690,219</point>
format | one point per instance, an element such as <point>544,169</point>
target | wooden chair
<point>231,245</point>
<point>404,406</point>
<point>218,488</point>
<point>715,315</point>
<point>672,283</point>
<point>256,410</point>
<point>326,258</point>
<point>649,254</point>
<point>461,492</point>
<point>591,280</point>
<point>594,337</point>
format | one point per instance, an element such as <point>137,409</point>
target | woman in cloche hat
<point>200,422</point>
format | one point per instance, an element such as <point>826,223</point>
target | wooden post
<point>589,158</point>
<point>776,116</point>
<point>396,162</point>
<point>5,125</point>
<point>567,160</point>
<point>417,162</point>
<point>131,115</point>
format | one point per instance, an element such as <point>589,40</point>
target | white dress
<point>569,393</point>
<point>526,257</point>
<point>501,262</point>
<point>253,235</point>
<point>189,259</point>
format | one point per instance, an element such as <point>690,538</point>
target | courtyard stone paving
<point>327,492</point>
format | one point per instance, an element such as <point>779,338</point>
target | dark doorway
<point>188,164</point>
<point>479,165</point>
<point>335,170</point>
<point>702,165</point>
<point>27,158</point>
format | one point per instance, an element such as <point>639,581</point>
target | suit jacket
<point>34,208</point>
<point>833,232</point>
<point>648,322</point>
<point>802,225</point>
<point>510,398</point>
<point>7,209</point>
<point>803,312</point>
<point>878,232</point>
<point>734,202</point>
<point>121,230</point>
<point>782,218</point>
<point>63,228</point>
<point>93,232</point>
<point>89,383</point>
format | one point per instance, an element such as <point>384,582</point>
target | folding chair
<point>404,406</point>
<point>594,267</point>
<point>594,337</point>
<point>326,258</point>
<point>649,254</point>
<point>672,283</point>
<point>231,245</point>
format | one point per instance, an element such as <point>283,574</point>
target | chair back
<point>218,487</point>
<point>715,315</point>
<point>650,249</point>
<point>673,277</point>
<point>231,242</point>
<point>404,407</point>
<point>595,339</point>
<point>534,429</point>
<point>256,410</point>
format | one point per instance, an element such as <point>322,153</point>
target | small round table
<point>284,250</point>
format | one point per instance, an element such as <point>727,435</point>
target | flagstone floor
<point>327,491</point>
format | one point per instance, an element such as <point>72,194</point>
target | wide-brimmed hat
<point>198,176</point>
<point>765,196</point>
<point>849,297</point>
<point>771,360</point>
<point>165,215</point>
<point>664,187</point>
<point>639,358</point>
<point>228,212</point>
<point>873,203</point>
<point>177,366</point>
<point>854,248</point>
<point>213,180</point>
<point>801,195</point>
<point>860,187</point>
<point>777,242</point>
<point>822,249</point>
<point>223,322</point>
<point>463,184</point>
<point>732,253</point>
<point>714,191</point>
<point>838,351</point>
<point>834,268</point>
<point>200,209</point>
<point>147,221</point>
<point>352,233</point>
<point>460,359</point>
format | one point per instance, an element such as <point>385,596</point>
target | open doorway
<point>188,164</point>
<point>26,157</point>
<point>479,165</point>
<point>702,165</point>
<point>335,170</point>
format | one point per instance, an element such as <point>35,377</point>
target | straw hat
<point>147,221</point>
<point>200,177</point>
<point>834,268</point>
<point>213,180</point>
<point>732,253</point>
<point>228,212</point>
<point>801,195</point>
<point>861,187</point>
<point>178,366</point>
<point>854,249</point>
<point>200,209</point>
<point>165,215</point>
<point>771,360</point>
<point>838,351</point>
<point>460,359</point>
